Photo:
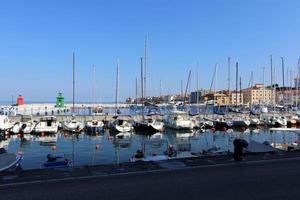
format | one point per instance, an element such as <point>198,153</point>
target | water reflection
<point>106,147</point>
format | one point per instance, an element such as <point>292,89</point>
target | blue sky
<point>37,39</point>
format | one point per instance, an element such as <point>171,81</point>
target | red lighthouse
<point>20,100</point>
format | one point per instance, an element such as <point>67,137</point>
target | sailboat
<point>94,125</point>
<point>120,124</point>
<point>148,125</point>
<point>73,125</point>
<point>237,120</point>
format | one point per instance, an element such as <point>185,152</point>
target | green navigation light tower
<point>60,100</point>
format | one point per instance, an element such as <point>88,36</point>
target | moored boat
<point>9,160</point>
<point>46,125</point>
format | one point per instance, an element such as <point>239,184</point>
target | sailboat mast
<point>117,88</point>
<point>297,85</point>
<point>73,87</point>
<point>187,86</point>
<point>160,89</point>
<point>142,87</point>
<point>229,95</point>
<point>282,64</point>
<point>271,63</point>
<point>145,63</point>
<point>136,93</point>
<point>181,92</point>
<point>228,74</point>
<point>264,85</point>
<point>236,83</point>
<point>240,99</point>
<point>197,93</point>
<point>94,87</point>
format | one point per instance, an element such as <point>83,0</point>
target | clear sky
<point>37,38</point>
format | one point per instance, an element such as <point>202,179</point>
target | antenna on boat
<point>73,82</point>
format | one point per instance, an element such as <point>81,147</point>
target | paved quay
<point>259,176</point>
<point>273,180</point>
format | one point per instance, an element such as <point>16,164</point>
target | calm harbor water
<point>107,148</point>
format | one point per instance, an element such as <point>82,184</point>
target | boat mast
<point>229,95</point>
<point>282,64</point>
<point>117,88</point>
<point>94,88</point>
<point>240,99</point>
<point>274,88</point>
<point>197,93</point>
<point>142,87</point>
<point>181,84</point>
<point>160,87</point>
<point>187,86</point>
<point>73,87</point>
<point>228,75</point>
<point>264,85</point>
<point>271,63</point>
<point>136,94</point>
<point>251,80</point>
<point>236,83</point>
<point>297,81</point>
<point>145,63</point>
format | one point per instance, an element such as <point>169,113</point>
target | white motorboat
<point>28,127</point>
<point>149,125</point>
<point>9,160</point>
<point>46,125</point>
<point>178,120</point>
<point>202,123</point>
<point>222,122</point>
<point>73,126</point>
<point>5,124</point>
<point>276,121</point>
<point>240,122</point>
<point>121,125</point>
<point>254,121</point>
<point>94,126</point>
<point>17,127</point>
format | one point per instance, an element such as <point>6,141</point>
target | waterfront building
<point>258,94</point>
<point>287,95</point>
<point>219,99</point>
<point>198,94</point>
<point>236,98</point>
